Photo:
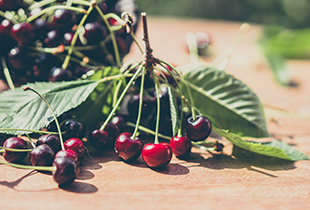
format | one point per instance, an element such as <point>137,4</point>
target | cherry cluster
<point>35,37</point>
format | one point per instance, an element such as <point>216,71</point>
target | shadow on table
<point>80,187</point>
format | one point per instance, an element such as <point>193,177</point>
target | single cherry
<point>52,39</point>
<point>73,129</point>
<point>126,148</point>
<point>157,155</point>
<point>41,155</point>
<point>66,171</point>
<point>99,139</point>
<point>77,146</point>
<point>94,33</point>
<point>51,140</point>
<point>133,106</point>
<point>119,122</point>
<point>59,74</point>
<point>181,146</point>
<point>68,154</point>
<point>63,18</point>
<point>14,143</point>
<point>22,32</point>
<point>199,129</point>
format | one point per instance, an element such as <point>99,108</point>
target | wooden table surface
<point>204,181</point>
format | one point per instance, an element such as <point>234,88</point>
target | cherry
<point>77,146</point>
<point>99,139</point>
<point>133,106</point>
<point>41,155</point>
<point>94,33</point>
<point>157,155</point>
<point>63,18</point>
<point>11,4</point>
<point>119,122</point>
<point>51,140</point>
<point>59,74</point>
<point>68,154</point>
<point>199,129</point>
<point>73,129</point>
<point>42,64</point>
<point>113,131</point>
<point>22,32</point>
<point>40,28</point>
<point>66,171</point>
<point>17,58</point>
<point>5,27</point>
<point>181,146</point>
<point>126,148</point>
<point>67,39</point>
<point>164,99</point>
<point>14,143</point>
<point>52,39</point>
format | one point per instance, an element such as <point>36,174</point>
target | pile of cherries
<point>34,43</point>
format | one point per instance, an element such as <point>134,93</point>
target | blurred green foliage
<point>286,13</point>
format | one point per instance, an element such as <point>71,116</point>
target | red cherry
<point>181,146</point>
<point>76,145</point>
<point>199,129</point>
<point>127,148</point>
<point>41,155</point>
<point>14,143</point>
<point>157,155</point>
<point>22,32</point>
<point>68,154</point>
<point>66,171</point>
<point>99,139</point>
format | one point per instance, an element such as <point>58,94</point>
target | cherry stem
<point>15,150</point>
<point>7,74</point>
<point>56,120</point>
<point>120,98</point>
<point>74,38</point>
<point>27,130</point>
<point>31,142</point>
<point>38,168</point>
<point>142,128</point>
<point>48,9</point>
<point>40,4</point>
<point>117,57</point>
<point>156,141</point>
<point>140,104</point>
<point>187,88</point>
<point>136,42</point>
<point>3,14</point>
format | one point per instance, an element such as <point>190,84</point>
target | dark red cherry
<point>157,155</point>
<point>99,139</point>
<point>133,106</point>
<point>181,146</point>
<point>126,148</point>
<point>113,131</point>
<point>17,59</point>
<point>66,171</point>
<point>22,32</point>
<point>41,67</point>
<point>11,5</point>
<point>5,27</point>
<point>42,155</point>
<point>51,140</point>
<point>94,32</point>
<point>77,146</point>
<point>199,129</point>
<point>63,18</point>
<point>52,39</point>
<point>68,154</point>
<point>14,143</point>
<point>59,74</point>
<point>40,27</point>
<point>119,122</point>
<point>79,71</point>
<point>67,39</point>
<point>73,128</point>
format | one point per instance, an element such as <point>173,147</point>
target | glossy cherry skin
<point>59,74</point>
<point>181,146</point>
<point>99,139</point>
<point>51,140</point>
<point>52,39</point>
<point>22,32</point>
<point>133,106</point>
<point>66,171</point>
<point>157,155</point>
<point>5,27</point>
<point>126,148</point>
<point>77,146</point>
<point>73,129</point>
<point>199,129</point>
<point>63,18</point>
<point>14,143</point>
<point>68,154</point>
<point>94,33</point>
<point>41,155</point>
<point>119,122</point>
<point>113,132</point>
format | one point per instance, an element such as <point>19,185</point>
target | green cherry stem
<point>74,38</point>
<point>7,74</point>
<point>38,168</point>
<point>49,9</point>
<point>56,120</point>
<point>140,104</point>
<point>120,98</point>
<point>31,142</point>
<point>40,4</point>
<point>187,88</point>
<point>117,57</point>
<point>148,130</point>
<point>28,130</point>
<point>156,141</point>
<point>16,150</point>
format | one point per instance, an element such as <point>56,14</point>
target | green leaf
<point>276,149</point>
<point>225,100</point>
<point>25,110</point>
<point>175,121</point>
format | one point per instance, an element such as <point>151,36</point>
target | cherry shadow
<point>173,169</point>
<point>80,187</point>
<point>13,184</point>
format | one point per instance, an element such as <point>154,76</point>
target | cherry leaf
<point>25,110</point>
<point>175,121</point>
<point>226,101</point>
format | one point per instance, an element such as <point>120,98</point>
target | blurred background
<point>286,13</point>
